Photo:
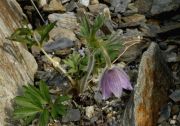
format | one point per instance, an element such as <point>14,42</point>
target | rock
<point>151,29</point>
<point>154,7</point>
<point>85,2</point>
<point>58,45</point>
<point>65,1</point>
<point>178,117</point>
<point>131,9</point>
<point>67,20</point>
<point>172,122</point>
<point>17,65</point>
<point>175,109</point>
<point>94,2</point>
<point>90,111</point>
<point>132,36</point>
<point>151,91</point>
<point>165,112</point>
<point>172,57</point>
<point>133,20</point>
<point>71,6</point>
<point>98,97</point>
<point>136,18</point>
<point>175,96</point>
<point>107,28</point>
<point>54,5</point>
<point>170,26</point>
<point>42,3</point>
<point>97,8</point>
<point>57,33</point>
<point>72,115</point>
<point>160,6</point>
<point>164,124</point>
<point>119,5</point>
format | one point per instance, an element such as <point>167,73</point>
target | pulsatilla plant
<point>113,79</point>
<point>100,52</point>
<point>37,102</point>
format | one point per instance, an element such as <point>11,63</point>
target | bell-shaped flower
<point>113,81</point>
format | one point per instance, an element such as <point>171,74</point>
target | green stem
<point>38,11</point>
<point>84,82</point>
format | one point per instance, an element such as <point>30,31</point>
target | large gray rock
<point>119,5</point>
<point>17,65</point>
<point>151,90</point>
<point>154,7</point>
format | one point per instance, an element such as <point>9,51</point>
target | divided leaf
<point>44,31</point>
<point>25,102</point>
<point>24,112</point>
<point>44,118</point>
<point>44,91</point>
<point>98,23</point>
<point>23,35</point>
<point>36,93</point>
<point>85,27</point>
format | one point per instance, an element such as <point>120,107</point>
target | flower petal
<point>114,83</point>
<point>124,79</point>
<point>106,93</point>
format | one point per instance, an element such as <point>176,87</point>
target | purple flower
<point>113,81</point>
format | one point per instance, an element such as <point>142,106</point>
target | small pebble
<point>90,111</point>
<point>172,122</point>
<point>174,117</point>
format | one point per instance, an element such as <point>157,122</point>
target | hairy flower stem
<point>58,66</point>
<point>84,82</point>
<point>55,63</point>
<point>106,57</point>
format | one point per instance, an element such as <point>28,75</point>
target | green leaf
<point>44,90</point>
<point>61,99</point>
<point>85,27</point>
<point>62,110</point>
<point>25,102</point>
<point>23,35</point>
<point>44,118</point>
<point>36,93</point>
<point>98,23</point>
<point>73,62</point>
<point>44,31</point>
<point>32,98</point>
<point>24,112</point>
<point>28,120</point>
<point>54,111</point>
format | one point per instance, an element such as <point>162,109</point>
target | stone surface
<point>67,20</point>
<point>85,2</point>
<point>58,45</point>
<point>150,92</point>
<point>42,2</point>
<point>90,111</point>
<point>119,5</point>
<point>132,37</point>
<point>57,33</point>
<point>72,115</point>
<point>54,5</point>
<point>154,7</point>
<point>165,112</point>
<point>132,20</point>
<point>153,82</point>
<point>175,96</point>
<point>97,8</point>
<point>17,65</point>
